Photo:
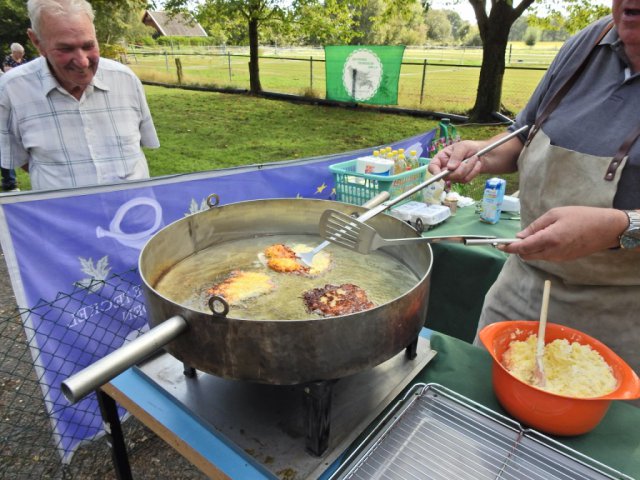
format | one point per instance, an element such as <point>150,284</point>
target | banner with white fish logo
<point>72,256</point>
<point>363,73</point>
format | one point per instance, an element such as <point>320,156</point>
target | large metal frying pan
<point>275,351</point>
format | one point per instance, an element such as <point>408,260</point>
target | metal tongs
<point>307,257</point>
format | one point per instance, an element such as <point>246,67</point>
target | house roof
<point>180,24</point>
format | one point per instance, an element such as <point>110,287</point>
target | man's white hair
<point>16,47</point>
<point>56,8</point>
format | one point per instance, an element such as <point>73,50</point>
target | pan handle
<point>110,366</point>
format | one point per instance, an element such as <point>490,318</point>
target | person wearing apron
<point>579,171</point>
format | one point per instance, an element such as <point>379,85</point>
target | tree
<point>328,22</point>
<point>254,12</point>
<point>381,27</point>
<point>115,20</point>
<point>438,26</point>
<point>494,31</point>
<point>459,27</point>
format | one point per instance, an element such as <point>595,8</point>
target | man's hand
<point>568,233</point>
<point>451,158</point>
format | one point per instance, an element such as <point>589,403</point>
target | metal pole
<point>424,76</point>
<point>85,381</point>
<point>311,73</point>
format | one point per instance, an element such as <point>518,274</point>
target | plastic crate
<point>358,188</point>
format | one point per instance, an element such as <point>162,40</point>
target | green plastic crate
<point>358,188</point>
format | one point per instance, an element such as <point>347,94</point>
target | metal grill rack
<point>434,433</point>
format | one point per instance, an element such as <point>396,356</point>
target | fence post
<point>311,73</point>
<point>179,69</point>
<point>166,60</point>
<point>229,63</point>
<point>510,47</point>
<point>424,75</point>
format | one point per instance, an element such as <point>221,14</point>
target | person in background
<point>15,58</point>
<point>71,118</point>
<point>579,174</point>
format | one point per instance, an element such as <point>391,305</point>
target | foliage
<point>176,40</point>
<point>115,52</point>
<point>381,26</point>
<point>328,23</point>
<point>117,20</point>
<point>531,36</point>
<point>459,28</point>
<point>576,15</point>
<point>14,23</point>
<point>438,25</point>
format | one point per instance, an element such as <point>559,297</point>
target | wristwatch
<point>630,238</point>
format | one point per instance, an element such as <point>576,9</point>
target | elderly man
<point>71,118</point>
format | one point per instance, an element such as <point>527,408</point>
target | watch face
<point>630,239</point>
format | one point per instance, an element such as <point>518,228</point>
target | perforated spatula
<point>351,233</point>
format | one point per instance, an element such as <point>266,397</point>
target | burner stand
<point>270,423</point>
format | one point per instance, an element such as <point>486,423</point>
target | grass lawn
<point>205,131</point>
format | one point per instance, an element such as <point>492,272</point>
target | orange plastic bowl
<point>544,411</point>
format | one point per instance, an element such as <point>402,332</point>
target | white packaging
<point>374,165</point>
<point>511,204</point>
<point>428,215</point>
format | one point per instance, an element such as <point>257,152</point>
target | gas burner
<point>299,427</point>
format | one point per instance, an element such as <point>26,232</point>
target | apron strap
<point>621,153</point>
<point>560,94</point>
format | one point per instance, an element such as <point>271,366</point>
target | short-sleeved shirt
<point>600,110</point>
<point>68,142</point>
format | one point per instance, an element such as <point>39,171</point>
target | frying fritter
<point>241,285</point>
<point>332,300</point>
<point>284,259</point>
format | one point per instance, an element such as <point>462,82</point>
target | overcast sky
<point>464,9</point>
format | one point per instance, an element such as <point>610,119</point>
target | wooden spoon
<point>538,373</point>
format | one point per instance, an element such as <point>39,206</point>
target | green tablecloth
<point>462,275</point>
<point>467,370</point>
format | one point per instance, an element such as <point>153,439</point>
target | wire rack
<point>434,433</point>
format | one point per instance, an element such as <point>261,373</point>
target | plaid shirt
<point>69,142</point>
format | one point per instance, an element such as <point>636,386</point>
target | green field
<point>450,76</point>
<point>206,130</point>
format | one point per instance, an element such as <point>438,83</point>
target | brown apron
<point>598,294</point>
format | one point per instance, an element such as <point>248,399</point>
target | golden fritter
<point>241,285</point>
<point>332,300</point>
<point>284,259</point>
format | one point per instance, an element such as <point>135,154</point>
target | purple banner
<point>72,256</point>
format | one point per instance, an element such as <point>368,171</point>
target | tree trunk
<point>494,32</point>
<point>254,68</point>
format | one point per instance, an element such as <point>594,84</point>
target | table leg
<point>115,437</point>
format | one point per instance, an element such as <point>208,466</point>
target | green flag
<point>363,73</point>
